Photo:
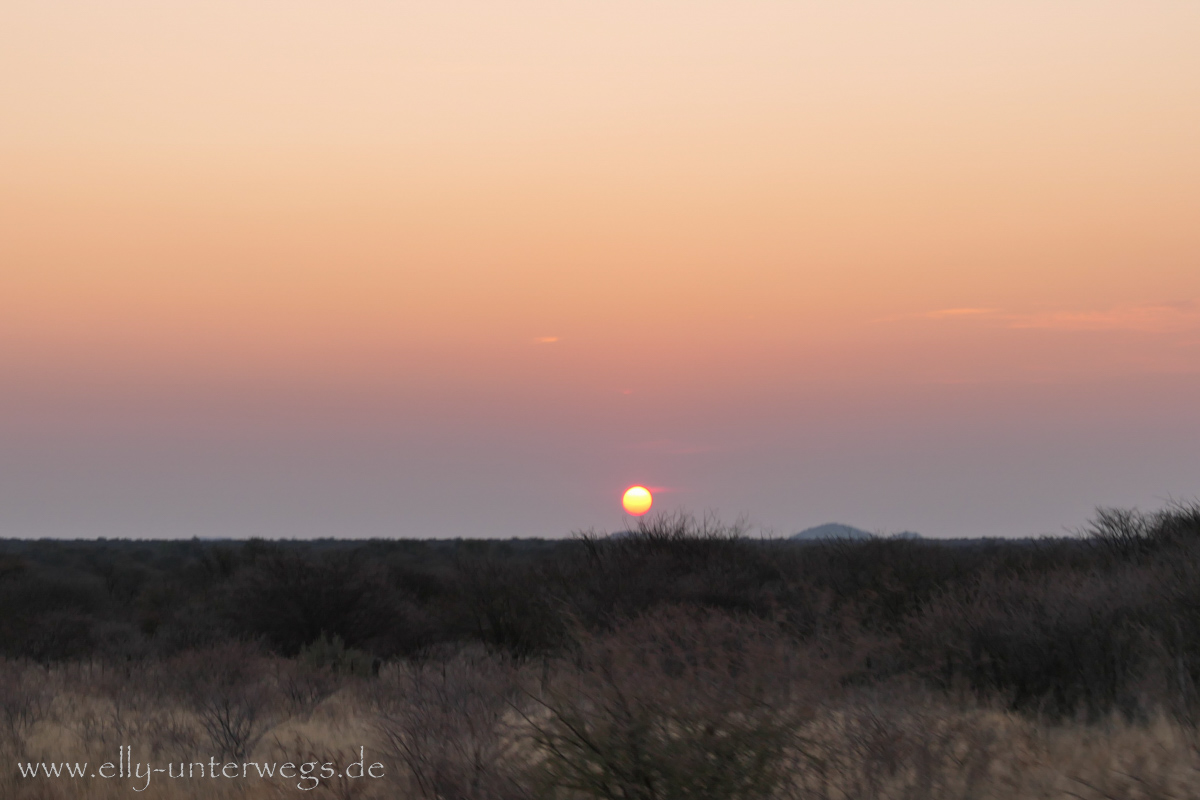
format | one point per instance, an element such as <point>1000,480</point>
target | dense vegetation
<point>677,662</point>
<point>1109,620</point>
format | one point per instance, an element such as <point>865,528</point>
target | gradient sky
<point>471,269</point>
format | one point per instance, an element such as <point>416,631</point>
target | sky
<point>298,269</point>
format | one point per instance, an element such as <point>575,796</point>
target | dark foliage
<point>290,599</point>
<point>1109,619</point>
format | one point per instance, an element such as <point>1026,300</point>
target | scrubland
<point>683,661</point>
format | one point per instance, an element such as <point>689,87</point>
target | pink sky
<point>468,269</point>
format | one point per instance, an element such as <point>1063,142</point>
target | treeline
<point>1105,621</point>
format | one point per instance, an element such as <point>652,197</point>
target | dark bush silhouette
<point>292,599</point>
<point>1080,638</point>
<point>516,609</point>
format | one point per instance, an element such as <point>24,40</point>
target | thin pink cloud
<point>1150,318</point>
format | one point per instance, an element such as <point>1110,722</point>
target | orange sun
<point>637,500</point>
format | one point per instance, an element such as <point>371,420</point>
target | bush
<point>668,560</point>
<point>290,599</point>
<point>447,719</point>
<point>1074,642</point>
<point>230,690</point>
<point>511,608</point>
<point>676,704</point>
<point>25,699</point>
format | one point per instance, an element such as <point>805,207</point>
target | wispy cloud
<point>942,313</point>
<point>1148,318</point>
<point>545,340</point>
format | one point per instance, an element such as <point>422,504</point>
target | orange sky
<point>277,262</point>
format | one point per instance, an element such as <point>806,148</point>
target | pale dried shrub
<point>448,720</point>
<point>25,700</point>
<point>301,749</point>
<point>115,703</point>
<point>230,690</point>
<point>304,685</point>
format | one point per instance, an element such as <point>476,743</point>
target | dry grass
<point>474,727</point>
<point>908,745</point>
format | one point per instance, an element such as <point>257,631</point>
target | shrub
<point>25,699</point>
<point>511,608</point>
<point>676,704</point>
<point>447,720</point>
<point>292,599</point>
<point>230,690</point>
<point>669,559</point>
<point>1061,644</point>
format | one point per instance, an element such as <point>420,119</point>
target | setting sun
<point>637,500</point>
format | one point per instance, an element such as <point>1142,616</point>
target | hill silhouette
<point>831,530</point>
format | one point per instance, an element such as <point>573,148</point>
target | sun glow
<point>637,500</point>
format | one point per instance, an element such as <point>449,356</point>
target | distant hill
<point>832,530</point>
